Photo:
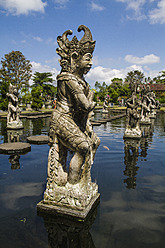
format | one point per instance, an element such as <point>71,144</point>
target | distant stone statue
<point>132,118</point>
<point>13,117</point>
<point>73,143</point>
<point>145,106</point>
<point>105,105</point>
<point>153,105</point>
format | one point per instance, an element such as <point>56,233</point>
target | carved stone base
<point>152,116</point>
<point>15,125</point>
<point>132,134</point>
<point>63,210</point>
<point>145,121</point>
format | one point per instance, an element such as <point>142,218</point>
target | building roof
<point>157,87</point>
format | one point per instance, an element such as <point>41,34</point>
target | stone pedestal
<point>15,125</point>
<point>132,133</point>
<point>68,210</point>
<point>145,121</point>
<point>38,139</point>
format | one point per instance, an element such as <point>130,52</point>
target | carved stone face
<point>15,91</point>
<point>85,63</point>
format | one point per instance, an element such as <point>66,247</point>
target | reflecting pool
<point>131,180</point>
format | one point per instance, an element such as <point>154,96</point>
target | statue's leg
<point>77,162</point>
<point>75,168</point>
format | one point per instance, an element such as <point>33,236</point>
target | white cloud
<point>23,41</point>
<point>44,68</point>
<point>96,7</point>
<point>148,59</point>
<point>102,74</point>
<point>60,4</point>
<point>136,6</point>
<point>18,7</point>
<point>37,39</point>
<point>12,193</point>
<point>158,15</point>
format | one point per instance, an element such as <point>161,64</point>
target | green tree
<point>97,85</point>
<point>116,83</point>
<point>36,98</point>
<point>134,76</point>
<point>16,69</point>
<point>162,77</point>
<point>101,91</point>
<point>45,80</point>
<point>114,95</point>
<point>42,78</point>
<point>26,95</point>
<point>4,89</point>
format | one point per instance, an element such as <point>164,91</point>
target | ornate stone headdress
<point>74,48</point>
<point>12,88</point>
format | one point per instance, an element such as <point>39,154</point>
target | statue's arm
<point>85,103</point>
<point>14,98</point>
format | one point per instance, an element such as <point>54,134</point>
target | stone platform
<point>16,147</point>
<point>39,140</point>
<point>53,210</point>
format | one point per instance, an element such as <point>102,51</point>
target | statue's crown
<point>67,48</point>
<point>11,88</point>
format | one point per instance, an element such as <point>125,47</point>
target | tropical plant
<point>36,97</point>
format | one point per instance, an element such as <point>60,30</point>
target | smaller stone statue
<point>132,118</point>
<point>152,105</point>
<point>13,117</point>
<point>145,106</point>
<point>105,106</point>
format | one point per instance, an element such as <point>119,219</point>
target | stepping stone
<point>38,140</point>
<point>15,147</point>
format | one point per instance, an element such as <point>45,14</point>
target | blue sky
<point>129,34</point>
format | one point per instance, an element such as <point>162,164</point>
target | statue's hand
<point>90,95</point>
<point>93,105</point>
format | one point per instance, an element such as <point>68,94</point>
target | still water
<point>131,179</point>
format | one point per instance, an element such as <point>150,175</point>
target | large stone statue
<point>132,117</point>
<point>13,117</point>
<point>73,143</point>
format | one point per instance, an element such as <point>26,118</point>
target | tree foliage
<point>26,96</point>
<point>36,98</point>
<point>134,76</point>
<point>45,80</point>
<point>16,69</point>
<point>4,89</point>
<point>42,78</point>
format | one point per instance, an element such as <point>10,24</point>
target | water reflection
<point>146,139</point>
<point>131,150</point>
<point>127,218</point>
<point>132,153</point>
<point>67,232</point>
<point>14,161</point>
<point>37,126</point>
<point>14,135</point>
